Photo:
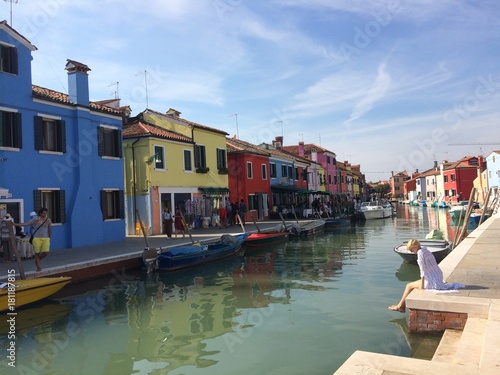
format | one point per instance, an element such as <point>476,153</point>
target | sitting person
<point>431,276</point>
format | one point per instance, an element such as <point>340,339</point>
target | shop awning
<point>214,190</point>
<point>288,189</point>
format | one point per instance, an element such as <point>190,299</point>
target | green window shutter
<point>38,127</point>
<point>18,130</point>
<point>100,141</point>
<point>62,136</point>
<point>14,61</point>
<point>61,201</point>
<point>37,200</point>
<point>103,204</point>
<point>119,143</point>
<point>121,198</point>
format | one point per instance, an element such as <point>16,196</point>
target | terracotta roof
<point>284,153</point>
<point>191,123</point>
<point>462,163</point>
<point>142,129</point>
<point>59,97</point>
<point>307,149</point>
<point>239,146</point>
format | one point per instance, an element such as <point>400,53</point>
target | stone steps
<point>472,342</point>
<point>448,346</point>
<point>477,346</point>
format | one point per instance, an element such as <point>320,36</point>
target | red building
<point>458,178</point>
<point>249,179</point>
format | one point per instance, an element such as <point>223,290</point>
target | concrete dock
<point>469,318</point>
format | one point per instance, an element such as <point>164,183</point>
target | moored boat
<point>179,257</point>
<point>308,228</point>
<point>22,292</point>
<point>439,248</point>
<point>375,210</point>
<point>265,239</point>
<point>331,223</point>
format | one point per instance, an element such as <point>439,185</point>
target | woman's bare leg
<point>401,306</point>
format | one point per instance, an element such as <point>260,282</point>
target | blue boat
<point>180,257</point>
<point>331,223</point>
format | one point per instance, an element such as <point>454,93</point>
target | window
<point>199,157</point>
<point>273,173</point>
<point>329,178</point>
<point>290,172</point>
<point>187,160</point>
<point>452,178</point>
<point>50,134</point>
<point>283,171</point>
<point>8,59</point>
<point>10,130</point>
<point>249,170</point>
<point>253,202</point>
<point>110,141</point>
<point>445,178</point>
<point>159,157</point>
<point>296,174</point>
<point>327,160</point>
<point>221,160</point>
<point>112,204</point>
<point>55,202</point>
<point>264,172</point>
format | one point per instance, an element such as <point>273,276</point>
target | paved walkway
<point>59,261</point>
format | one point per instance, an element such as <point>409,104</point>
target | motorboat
<point>376,210</point>
<point>23,292</point>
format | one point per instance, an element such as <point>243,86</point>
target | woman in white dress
<point>431,276</point>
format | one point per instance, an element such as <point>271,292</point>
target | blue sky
<point>389,85</point>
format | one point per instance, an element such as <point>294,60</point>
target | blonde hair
<point>413,244</point>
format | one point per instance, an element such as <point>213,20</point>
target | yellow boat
<point>22,292</point>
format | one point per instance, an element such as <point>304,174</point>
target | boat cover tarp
<point>188,249</point>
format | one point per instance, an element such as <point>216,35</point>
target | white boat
<point>375,210</point>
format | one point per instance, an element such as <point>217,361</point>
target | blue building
<point>59,151</point>
<point>493,169</point>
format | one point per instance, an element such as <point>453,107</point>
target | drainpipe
<point>134,180</point>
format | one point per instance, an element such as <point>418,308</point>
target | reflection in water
<point>320,298</point>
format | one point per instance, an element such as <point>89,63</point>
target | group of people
<point>228,215</point>
<point>175,222</point>
<point>40,230</point>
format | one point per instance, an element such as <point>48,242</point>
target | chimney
<point>278,143</point>
<point>173,112</point>
<point>301,149</point>
<point>314,155</point>
<point>78,82</point>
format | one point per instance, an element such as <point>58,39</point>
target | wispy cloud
<point>374,93</point>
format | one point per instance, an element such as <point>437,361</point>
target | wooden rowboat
<point>438,248</point>
<point>22,292</point>
<point>265,239</point>
<point>176,258</point>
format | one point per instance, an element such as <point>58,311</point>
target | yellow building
<point>172,163</point>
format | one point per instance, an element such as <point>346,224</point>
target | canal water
<point>298,308</point>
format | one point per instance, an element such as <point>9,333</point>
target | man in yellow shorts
<point>42,231</point>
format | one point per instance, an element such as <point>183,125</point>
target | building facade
<point>59,150</point>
